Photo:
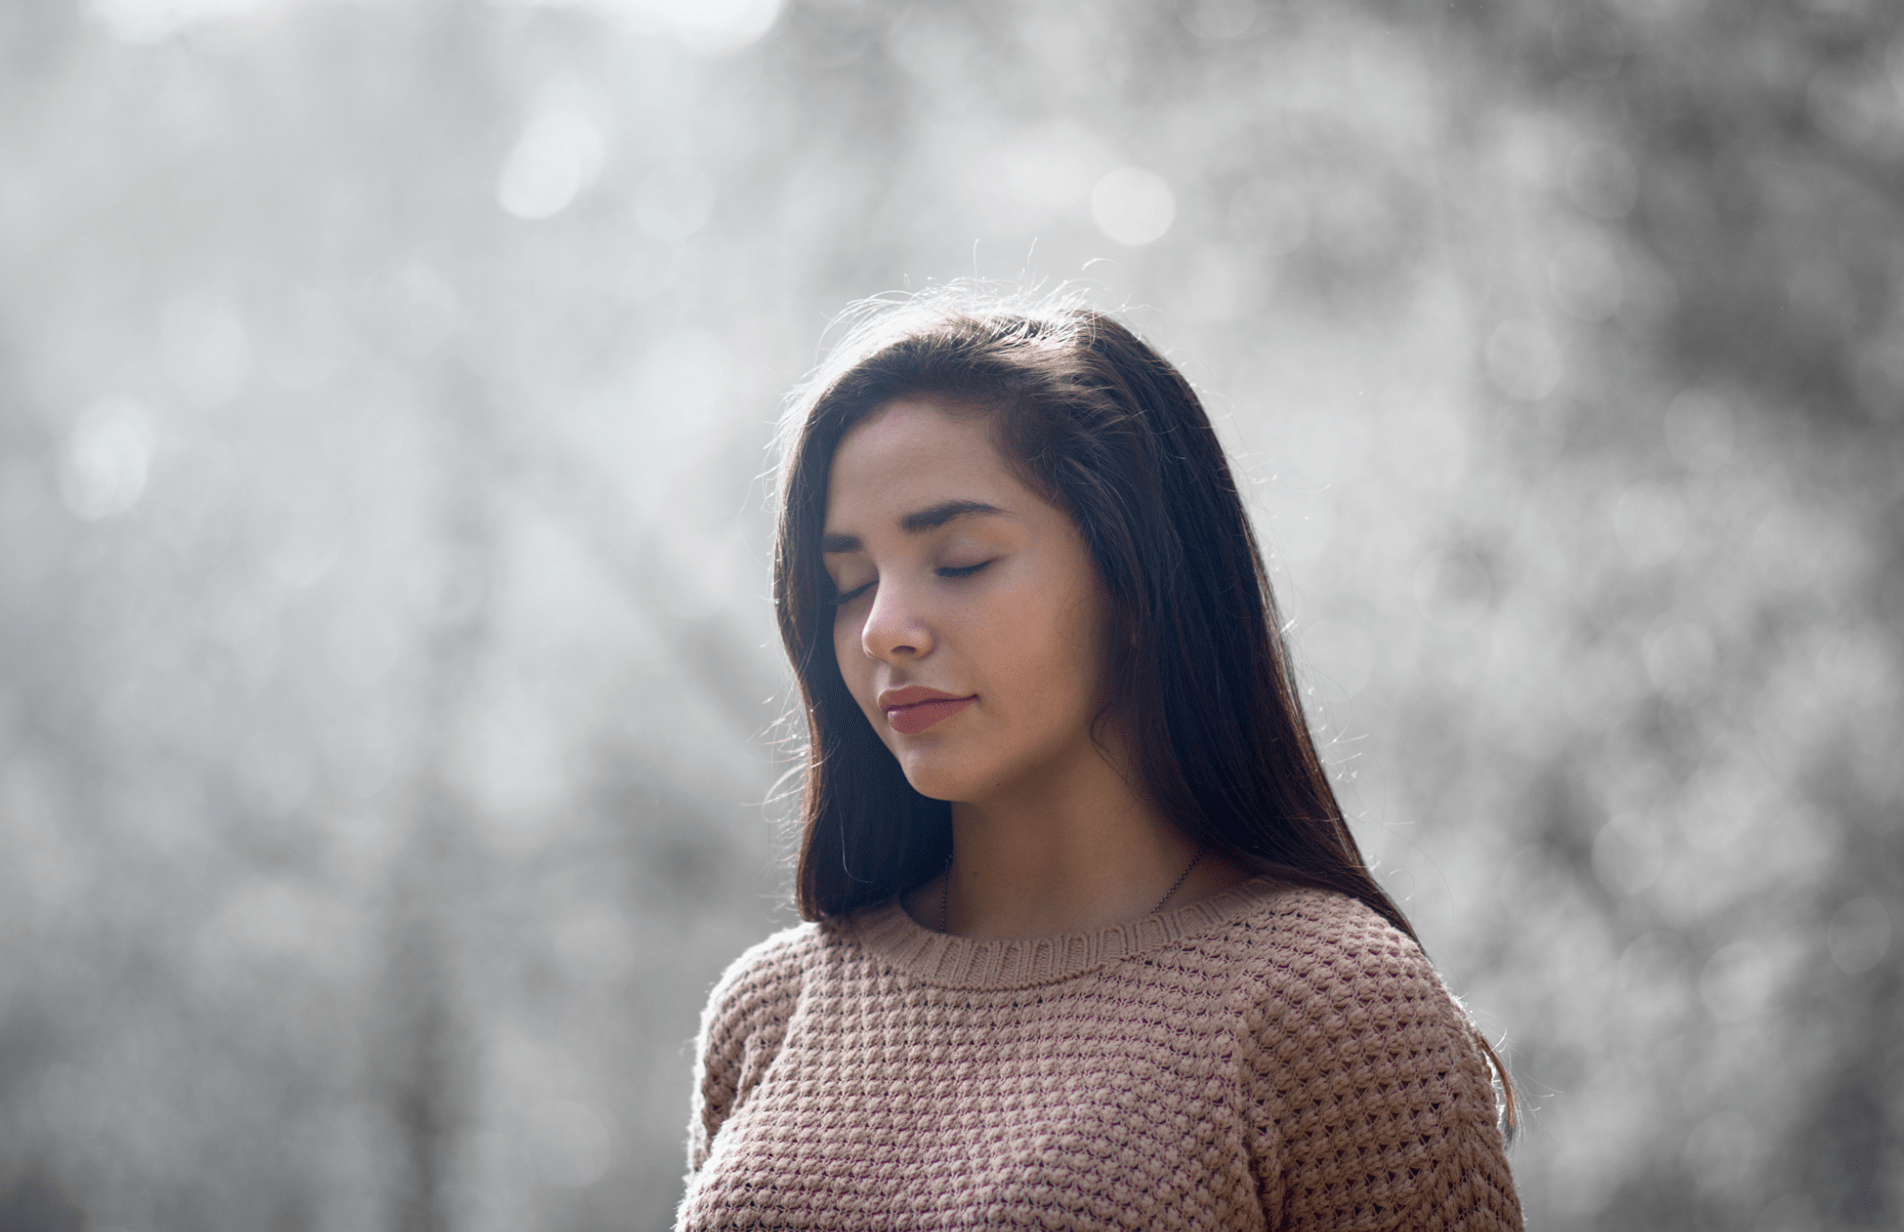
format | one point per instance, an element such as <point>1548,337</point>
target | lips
<point>912,710</point>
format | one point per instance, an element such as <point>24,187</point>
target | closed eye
<point>961,571</point>
<point>846,598</point>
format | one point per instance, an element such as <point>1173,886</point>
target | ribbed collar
<point>961,962</point>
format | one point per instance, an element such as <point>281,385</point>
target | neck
<point>1076,851</point>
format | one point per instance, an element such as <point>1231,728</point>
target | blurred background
<point>390,709</point>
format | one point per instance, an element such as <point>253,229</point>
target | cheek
<point>1081,638</point>
<point>1053,653</point>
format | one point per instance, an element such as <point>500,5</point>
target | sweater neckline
<point>964,962</point>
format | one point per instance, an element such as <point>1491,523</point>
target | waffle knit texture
<point>1265,1058</point>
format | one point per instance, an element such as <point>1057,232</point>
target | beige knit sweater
<point>1265,1058</point>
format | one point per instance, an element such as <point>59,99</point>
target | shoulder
<point>762,983</point>
<point>1370,1096</point>
<point>1333,955</point>
<point>741,1027</point>
<point>1336,997</point>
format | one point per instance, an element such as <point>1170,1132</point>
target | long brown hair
<point>1111,433</point>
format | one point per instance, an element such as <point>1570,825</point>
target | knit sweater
<point>1267,1057</point>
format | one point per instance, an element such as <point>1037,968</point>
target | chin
<point>936,782</point>
<point>937,776</point>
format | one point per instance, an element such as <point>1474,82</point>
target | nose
<point>896,625</point>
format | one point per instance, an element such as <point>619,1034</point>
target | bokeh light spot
<point>1650,523</point>
<point>1133,207</point>
<point>558,155</point>
<point>721,27</point>
<point>154,21</point>
<point>108,455</point>
<point>1626,855</point>
<point>1585,280</point>
<point>1217,19</point>
<point>1738,981</point>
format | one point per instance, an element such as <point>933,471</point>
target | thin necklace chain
<point>1178,883</point>
<point>945,886</point>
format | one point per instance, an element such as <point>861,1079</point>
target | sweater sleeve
<point>741,1029</point>
<point>1372,1104</point>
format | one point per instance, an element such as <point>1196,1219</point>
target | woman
<point>1089,943</point>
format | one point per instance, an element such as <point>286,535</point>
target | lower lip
<point>911,720</point>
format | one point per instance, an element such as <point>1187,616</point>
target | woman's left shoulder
<point>1330,963</point>
<point>1318,940</point>
<point>1371,1100</point>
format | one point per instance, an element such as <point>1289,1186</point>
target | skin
<point>992,594</point>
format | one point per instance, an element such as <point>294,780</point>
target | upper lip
<point>913,694</point>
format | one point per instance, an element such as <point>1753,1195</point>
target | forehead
<point>914,452</point>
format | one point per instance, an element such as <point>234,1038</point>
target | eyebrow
<point>919,522</point>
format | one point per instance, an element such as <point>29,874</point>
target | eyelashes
<point>961,571</point>
<point>849,596</point>
<point>947,571</point>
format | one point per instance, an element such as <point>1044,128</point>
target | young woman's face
<point>970,624</point>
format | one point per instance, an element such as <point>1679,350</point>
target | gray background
<point>391,712</point>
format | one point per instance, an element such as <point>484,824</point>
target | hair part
<point>1199,673</point>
